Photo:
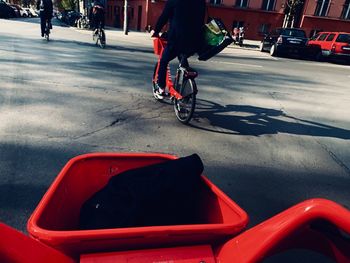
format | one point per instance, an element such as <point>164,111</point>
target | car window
<point>343,38</point>
<point>293,33</point>
<point>330,37</point>
<point>322,37</point>
<point>315,36</point>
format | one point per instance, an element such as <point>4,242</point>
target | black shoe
<point>42,34</point>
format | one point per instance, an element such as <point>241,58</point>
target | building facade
<point>325,15</point>
<point>257,16</point>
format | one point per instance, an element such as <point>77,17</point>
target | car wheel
<point>319,57</point>
<point>262,47</point>
<point>273,51</point>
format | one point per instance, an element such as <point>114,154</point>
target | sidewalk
<point>144,38</point>
<point>248,44</point>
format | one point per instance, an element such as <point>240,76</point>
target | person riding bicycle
<point>46,9</point>
<point>185,35</point>
<point>97,16</point>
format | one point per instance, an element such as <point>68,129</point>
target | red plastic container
<point>159,44</point>
<point>19,248</point>
<point>55,220</point>
<point>190,254</point>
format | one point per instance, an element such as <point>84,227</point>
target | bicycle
<point>99,37</point>
<point>183,91</point>
<point>47,30</point>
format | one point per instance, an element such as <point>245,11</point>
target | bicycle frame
<point>169,82</point>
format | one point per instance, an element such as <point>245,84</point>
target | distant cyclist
<point>46,9</point>
<point>186,19</point>
<point>97,16</point>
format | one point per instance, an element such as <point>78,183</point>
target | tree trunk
<point>125,27</point>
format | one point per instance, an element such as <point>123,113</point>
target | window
<point>264,28</point>
<point>330,37</point>
<point>343,38</point>
<point>322,7</point>
<point>215,2</point>
<point>322,37</point>
<point>345,14</point>
<point>268,5</point>
<point>242,3</point>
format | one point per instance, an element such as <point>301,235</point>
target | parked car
<point>6,11</point>
<point>21,10</point>
<point>285,41</point>
<point>66,16</point>
<point>31,12</point>
<point>72,18</point>
<point>17,12</point>
<point>24,12</point>
<point>55,13</point>
<point>330,45</point>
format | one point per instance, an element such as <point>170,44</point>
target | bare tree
<point>291,10</point>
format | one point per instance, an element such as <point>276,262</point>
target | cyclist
<point>46,9</point>
<point>186,18</point>
<point>97,16</point>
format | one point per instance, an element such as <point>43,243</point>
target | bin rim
<point>55,235</point>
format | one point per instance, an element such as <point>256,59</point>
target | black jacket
<point>186,19</point>
<point>45,7</point>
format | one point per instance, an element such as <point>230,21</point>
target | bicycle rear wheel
<point>47,31</point>
<point>184,108</point>
<point>102,37</point>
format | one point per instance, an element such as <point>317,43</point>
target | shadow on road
<point>256,121</point>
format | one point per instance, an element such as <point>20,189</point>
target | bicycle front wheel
<point>102,39</point>
<point>184,108</point>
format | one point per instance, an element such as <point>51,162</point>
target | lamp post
<point>125,26</point>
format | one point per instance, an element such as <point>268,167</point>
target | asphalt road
<point>271,131</point>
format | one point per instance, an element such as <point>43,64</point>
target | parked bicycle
<point>183,91</point>
<point>99,37</point>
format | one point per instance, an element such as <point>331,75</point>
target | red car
<point>331,45</point>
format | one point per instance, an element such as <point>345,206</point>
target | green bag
<point>213,34</point>
<point>216,38</point>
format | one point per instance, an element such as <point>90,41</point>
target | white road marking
<point>324,64</point>
<point>237,64</point>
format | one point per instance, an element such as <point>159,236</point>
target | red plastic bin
<point>55,220</point>
<point>19,248</point>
